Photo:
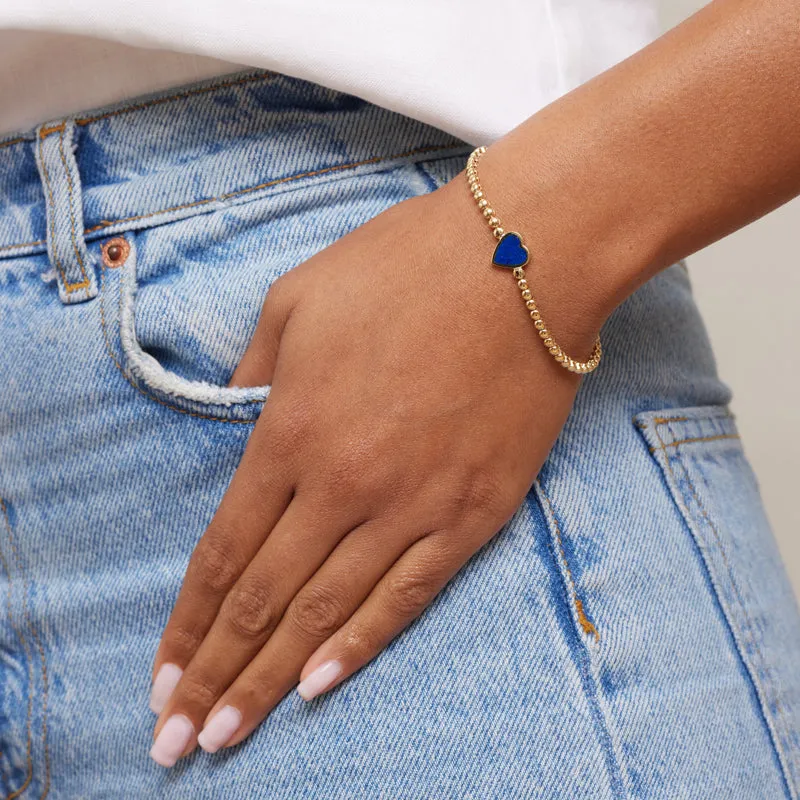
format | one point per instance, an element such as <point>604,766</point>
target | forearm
<point>688,140</point>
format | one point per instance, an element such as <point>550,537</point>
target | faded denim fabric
<point>630,633</point>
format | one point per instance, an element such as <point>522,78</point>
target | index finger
<point>257,497</point>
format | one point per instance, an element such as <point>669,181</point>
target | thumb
<point>258,362</point>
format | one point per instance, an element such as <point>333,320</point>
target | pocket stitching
<point>690,521</point>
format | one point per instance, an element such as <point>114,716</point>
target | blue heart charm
<point>510,252</point>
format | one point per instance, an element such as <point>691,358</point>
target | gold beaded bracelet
<point>511,253</point>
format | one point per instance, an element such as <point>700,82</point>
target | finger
<point>320,608</point>
<point>300,542</point>
<point>400,597</point>
<point>259,493</point>
<point>257,365</point>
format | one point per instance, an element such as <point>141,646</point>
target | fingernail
<point>166,680</point>
<point>172,741</point>
<point>319,680</point>
<point>219,729</point>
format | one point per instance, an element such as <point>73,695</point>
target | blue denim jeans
<point>629,634</point>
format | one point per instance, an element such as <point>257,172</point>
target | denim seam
<point>587,626</point>
<point>37,640</point>
<point>29,660</point>
<point>757,688</point>
<point>608,741</point>
<point>693,439</point>
<point>131,382</point>
<point>240,192</point>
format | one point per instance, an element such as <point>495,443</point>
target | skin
<point>412,402</point>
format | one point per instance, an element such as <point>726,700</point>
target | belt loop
<point>58,170</point>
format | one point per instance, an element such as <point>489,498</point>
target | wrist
<point>588,248</point>
<point>575,280</point>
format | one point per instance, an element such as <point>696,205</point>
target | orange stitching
<point>18,140</point>
<point>45,679</point>
<point>666,420</point>
<point>268,184</point>
<point>106,223</point>
<point>138,388</point>
<point>24,244</point>
<point>70,205</point>
<point>68,287</point>
<point>29,755</point>
<point>181,96</point>
<point>664,444</point>
<point>585,622</point>
<point>45,132</point>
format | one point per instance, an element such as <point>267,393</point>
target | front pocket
<point>707,473</point>
<point>191,291</point>
<point>168,385</point>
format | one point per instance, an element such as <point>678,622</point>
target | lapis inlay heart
<point>510,252</point>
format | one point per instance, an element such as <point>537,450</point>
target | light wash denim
<point>629,634</point>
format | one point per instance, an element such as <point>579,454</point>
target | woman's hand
<point>412,406</point>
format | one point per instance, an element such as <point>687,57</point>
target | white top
<point>474,69</point>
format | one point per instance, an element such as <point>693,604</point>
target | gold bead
<point>487,212</point>
<point>493,221</point>
<point>483,203</point>
<point>522,283</point>
<point>498,232</point>
<point>548,342</point>
<point>544,333</point>
<point>477,194</point>
<point>531,305</point>
<point>526,294</point>
<point>539,324</point>
<point>519,273</point>
<point>535,315</point>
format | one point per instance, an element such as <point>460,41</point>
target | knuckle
<point>409,592</point>
<point>317,612</point>
<point>360,643</point>
<point>250,609</point>
<point>186,639</point>
<point>199,689</point>
<point>213,564</point>
<point>479,493</point>
<point>352,476</point>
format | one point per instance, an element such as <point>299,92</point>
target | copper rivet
<point>115,252</point>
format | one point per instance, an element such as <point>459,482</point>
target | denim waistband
<point>189,151</point>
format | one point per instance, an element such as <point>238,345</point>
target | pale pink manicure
<point>172,741</point>
<point>163,686</point>
<point>319,680</point>
<point>219,729</point>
